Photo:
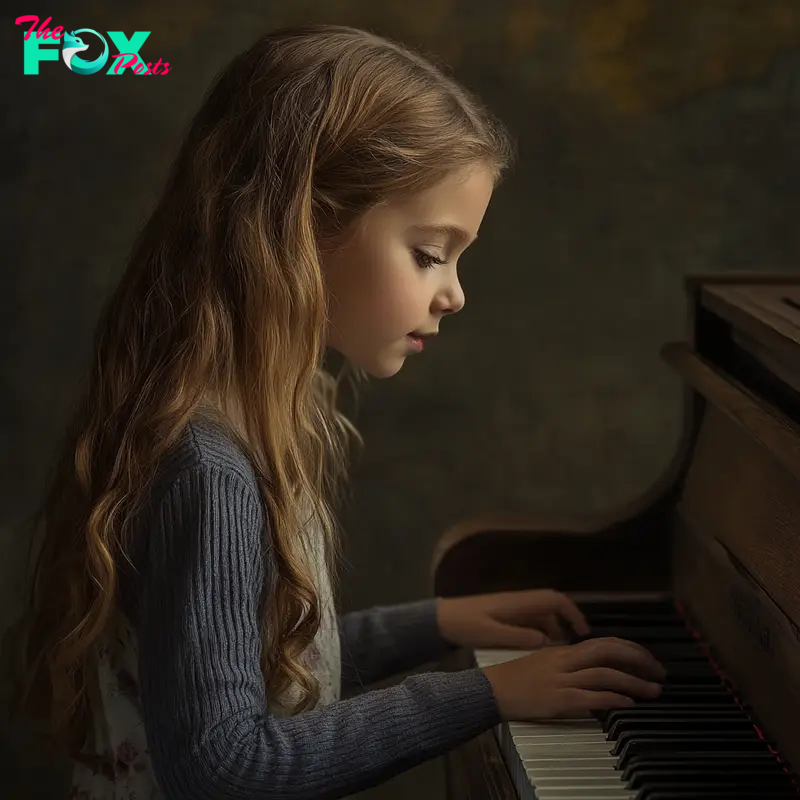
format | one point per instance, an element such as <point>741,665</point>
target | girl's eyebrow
<point>450,231</point>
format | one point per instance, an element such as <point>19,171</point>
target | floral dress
<point>120,768</point>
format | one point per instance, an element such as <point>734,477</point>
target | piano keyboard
<point>693,741</point>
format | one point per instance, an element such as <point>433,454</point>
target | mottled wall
<point>656,137</point>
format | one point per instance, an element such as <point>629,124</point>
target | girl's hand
<point>572,680</point>
<point>513,620</point>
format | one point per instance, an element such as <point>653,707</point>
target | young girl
<point>183,635</point>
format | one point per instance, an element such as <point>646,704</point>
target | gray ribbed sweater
<point>194,600</point>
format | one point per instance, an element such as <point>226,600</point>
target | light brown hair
<point>222,310</point>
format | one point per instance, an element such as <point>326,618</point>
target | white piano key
<point>555,725</point>
<point>564,759</point>
<point>549,729</point>
<point>550,748</point>
<point>578,782</point>
<point>536,739</point>
<point>568,763</point>
<point>561,770</point>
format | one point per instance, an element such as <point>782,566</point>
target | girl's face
<point>386,282</point>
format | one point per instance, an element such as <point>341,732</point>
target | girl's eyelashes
<point>426,260</point>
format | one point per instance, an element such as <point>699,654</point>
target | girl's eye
<point>426,260</point>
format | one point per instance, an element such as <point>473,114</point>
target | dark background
<point>656,138</point>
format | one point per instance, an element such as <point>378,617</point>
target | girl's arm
<point>384,640</point>
<point>195,601</point>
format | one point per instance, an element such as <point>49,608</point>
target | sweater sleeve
<point>382,641</point>
<point>210,733</point>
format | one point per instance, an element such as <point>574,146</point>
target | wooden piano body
<point>720,531</point>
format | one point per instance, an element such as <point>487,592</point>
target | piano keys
<point>704,569</point>
<point>695,740</point>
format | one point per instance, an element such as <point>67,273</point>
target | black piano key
<point>728,793</point>
<point>680,726</point>
<point>647,743</point>
<point>677,652</point>
<point>741,777</point>
<point>641,635</point>
<point>667,709</point>
<point>707,773</point>
<point>676,721</point>
<point>730,708</point>
<point>725,705</point>
<point>695,739</point>
<point>728,790</point>
<point>654,736</point>
<point>619,622</point>
<point>645,607</point>
<point>711,759</point>
<point>690,682</point>
<point>690,670</point>
<point>685,700</point>
<point>634,620</point>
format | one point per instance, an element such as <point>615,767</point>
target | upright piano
<point>704,570</point>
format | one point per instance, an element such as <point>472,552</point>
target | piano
<point>703,569</point>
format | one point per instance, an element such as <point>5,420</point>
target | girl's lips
<point>418,339</point>
<point>416,342</point>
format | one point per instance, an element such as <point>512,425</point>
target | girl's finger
<point>573,615</point>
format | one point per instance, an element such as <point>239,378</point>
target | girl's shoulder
<point>203,444</point>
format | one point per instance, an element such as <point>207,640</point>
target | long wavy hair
<point>222,310</point>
